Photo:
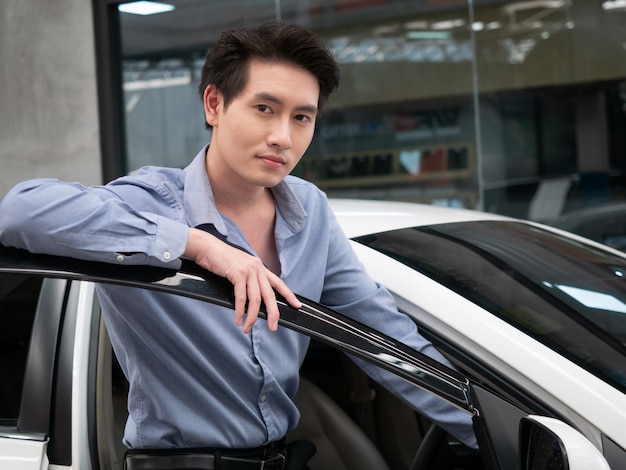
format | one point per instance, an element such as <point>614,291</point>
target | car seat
<point>341,444</point>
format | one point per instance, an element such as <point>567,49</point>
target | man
<point>197,379</point>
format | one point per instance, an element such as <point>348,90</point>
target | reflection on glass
<point>519,85</point>
<point>560,292</point>
<point>592,299</point>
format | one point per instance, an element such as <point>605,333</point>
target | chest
<point>258,229</point>
<point>263,242</point>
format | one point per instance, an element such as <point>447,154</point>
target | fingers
<point>254,286</point>
<point>259,289</point>
<point>253,283</point>
<point>253,294</point>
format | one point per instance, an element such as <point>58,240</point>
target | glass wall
<point>512,107</point>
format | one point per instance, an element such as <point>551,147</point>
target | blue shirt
<point>195,379</point>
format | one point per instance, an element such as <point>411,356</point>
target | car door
<point>42,430</point>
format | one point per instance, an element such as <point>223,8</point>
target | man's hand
<point>252,281</point>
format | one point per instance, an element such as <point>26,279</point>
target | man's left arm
<point>351,290</point>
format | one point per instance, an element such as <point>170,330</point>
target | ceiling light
<point>428,35</point>
<point>447,24</point>
<point>614,4</point>
<point>416,25</point>
<point>153,83</point>
<point>145,8</point>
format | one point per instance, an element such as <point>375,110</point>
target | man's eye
<point>263,108</point>
<point>303,118</point>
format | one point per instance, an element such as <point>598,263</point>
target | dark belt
<point>270,457</point>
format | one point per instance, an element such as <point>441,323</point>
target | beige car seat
<point>341,444</point>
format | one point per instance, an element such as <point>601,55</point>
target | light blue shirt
<point>195,379</point>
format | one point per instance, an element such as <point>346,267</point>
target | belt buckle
<point>277,462</point>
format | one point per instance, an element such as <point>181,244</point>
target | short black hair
<point>226,63</point>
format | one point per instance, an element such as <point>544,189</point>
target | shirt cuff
<point>170,243</point>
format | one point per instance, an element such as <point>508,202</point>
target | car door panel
<point>21,451</point>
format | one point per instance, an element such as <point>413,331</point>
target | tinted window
<point>18,302</point>
<point>567,295</point>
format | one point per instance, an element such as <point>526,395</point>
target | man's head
<point>226,64</point>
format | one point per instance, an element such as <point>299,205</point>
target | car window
<point>18,302</point>
<point>566,294</point>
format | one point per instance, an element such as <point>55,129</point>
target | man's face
<point>262,134</point>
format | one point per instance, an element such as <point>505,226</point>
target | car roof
<point>362,217</point>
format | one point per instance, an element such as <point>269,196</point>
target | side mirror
<point>547,443</point>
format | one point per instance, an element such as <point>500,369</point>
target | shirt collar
<point>200,204</point>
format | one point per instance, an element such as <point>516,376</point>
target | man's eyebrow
<point>274,99</point>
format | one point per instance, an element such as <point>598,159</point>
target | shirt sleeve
<point>349,289</point>
<point>93,223</point>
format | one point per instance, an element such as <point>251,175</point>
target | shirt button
<point>120,258</point>
<point>263,397</point>
<point>167,255</point>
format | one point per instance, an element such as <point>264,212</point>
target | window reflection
<point>440,103</point>
<point>560,292</point>
<point>593,299</point>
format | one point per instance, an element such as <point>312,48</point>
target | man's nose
<point>280,135</point>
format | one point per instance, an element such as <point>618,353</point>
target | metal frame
<point>312,319</point>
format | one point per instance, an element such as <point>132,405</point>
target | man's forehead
<point>267,80</point>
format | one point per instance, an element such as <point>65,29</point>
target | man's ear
<point>213,103</point>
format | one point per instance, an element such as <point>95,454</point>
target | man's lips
<point>272,160</point>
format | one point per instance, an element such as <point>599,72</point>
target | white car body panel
<point>23,454</point>
<point>358,217</point>
<point>80,443</point>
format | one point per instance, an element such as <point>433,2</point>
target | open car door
<point>24,443</point>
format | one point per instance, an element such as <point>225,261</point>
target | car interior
<point>343,442</point>
<point>353,422</point>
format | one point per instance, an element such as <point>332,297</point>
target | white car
<point>533,318</point>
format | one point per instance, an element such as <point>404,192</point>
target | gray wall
<point>48,99</point>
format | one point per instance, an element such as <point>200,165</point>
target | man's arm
<point>69,219</point>
<point>367,301</point>
<point>95,223</point>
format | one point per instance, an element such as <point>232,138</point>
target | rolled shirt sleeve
<point>93,223</point>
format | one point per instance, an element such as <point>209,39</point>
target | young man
<point>196,379</point>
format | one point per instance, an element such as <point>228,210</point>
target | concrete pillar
<point>48,102</point>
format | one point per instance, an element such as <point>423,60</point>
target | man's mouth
<point>272,161</point>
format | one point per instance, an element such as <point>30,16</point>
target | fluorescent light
<point>145,8</point>
<point>614,5</point>
<point>140,85</point>
<point>428,35</point>
<point>448,24</point>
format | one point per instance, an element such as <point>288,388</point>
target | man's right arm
<point>69,219</point>
<point>95,223</point>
